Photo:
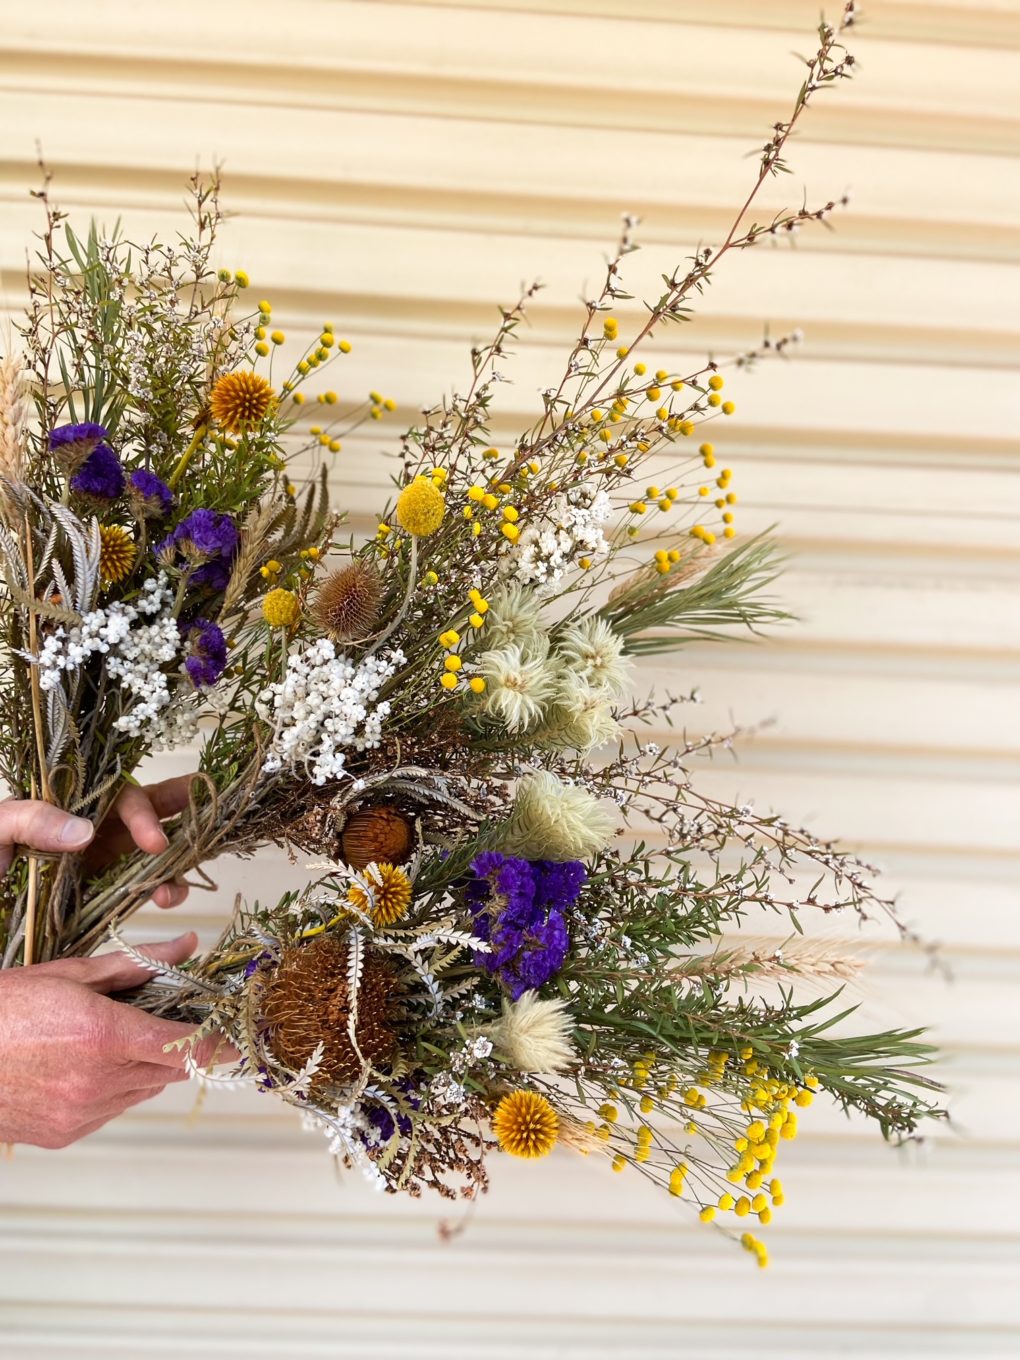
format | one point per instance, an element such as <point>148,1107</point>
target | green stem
<point>187,455</point>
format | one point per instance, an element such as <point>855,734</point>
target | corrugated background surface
<point>400,168</point>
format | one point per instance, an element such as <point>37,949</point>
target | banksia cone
<point>346,605</point>
<point>378,835</point>
<point>309,1002</point>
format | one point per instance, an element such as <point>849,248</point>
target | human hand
<point>134,819</point>
<point>71,1058</point>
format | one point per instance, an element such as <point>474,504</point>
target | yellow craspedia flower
<point>240,400</point>
<point>281,609</point>
<point>117,553</point>
<point>525,1124</point>
<point>391,894</point>
<point>421,507</point>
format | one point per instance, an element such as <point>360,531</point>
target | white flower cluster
<point>563,696</point>
<point>324,706</point>
<point>136,652</point>
<point>570,528</point>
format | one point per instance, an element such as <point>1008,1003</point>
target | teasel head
<point>377,835</point>
<point>347,602</point>
<point>310,1001</point>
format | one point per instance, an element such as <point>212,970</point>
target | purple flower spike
<point>150,494</point>
<point>101,475</point>
<point>207,659</point>
<point>208,542</point>
<point>519,908</point>
<point>72,444</point>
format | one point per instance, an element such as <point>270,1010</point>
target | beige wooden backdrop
<point>398,169</point>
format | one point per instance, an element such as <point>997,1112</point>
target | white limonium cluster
<point>570,528</point>
<point>136,652</point>
<point>324,706</point>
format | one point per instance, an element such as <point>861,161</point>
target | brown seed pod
<point>347,602</point>
<point>308,1002</point>
<point>380,835</point>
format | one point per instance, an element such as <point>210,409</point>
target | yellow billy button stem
<point>421,507</point>
<point>281,608</point>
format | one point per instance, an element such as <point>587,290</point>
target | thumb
<point>40,826</point>
<point>116,972</point>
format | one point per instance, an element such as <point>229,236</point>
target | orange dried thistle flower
<point>308,1002</point>
<point>525,1124</point>
<point>391,894</point>
<point>117,553</point>
<point>346,604</point>
<point>240,400</point>
<point>376,835</point>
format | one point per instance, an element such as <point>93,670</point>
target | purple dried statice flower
<point>100,476</point>
<point>383,1125</point>
<point>519,908</point>
<point>207,541</point>
<point>72,444</point>
<point>149,494</point>
<point>207,651</point>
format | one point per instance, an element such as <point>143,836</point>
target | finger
<point>169,796</point>
<point>116,972</point>
<point>40,826</point>
<point>140,1076</point>
<point>146,1038</point>
<point>171,894</point>
<point>138,1096</point>
<point>141,819</point>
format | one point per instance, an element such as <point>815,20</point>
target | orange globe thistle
<point>117,553</point>
<point>525,1124</point>
<point>390,896</point>
<point>240,400</point>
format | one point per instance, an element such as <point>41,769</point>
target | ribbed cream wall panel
<point>399,169</point>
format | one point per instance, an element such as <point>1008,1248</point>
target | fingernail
<point>75,831</point>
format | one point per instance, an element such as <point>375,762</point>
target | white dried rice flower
<point>534,1034</point>
<point>514,618</point>
<point>519,685</point>
<point>556,821</point>
<point>593,653</point>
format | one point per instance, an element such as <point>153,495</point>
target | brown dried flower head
<point>376,835</point>
<point>309,1002</point>
<point>346,605</point>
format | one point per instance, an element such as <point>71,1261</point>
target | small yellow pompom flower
<point>240,400</point>
<point>421,507</point>
<point>477,685</point>
<point>117,553</point>
<point>525,1124</point>
<point>281,609</point>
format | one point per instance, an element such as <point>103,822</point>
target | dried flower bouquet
<point>439,716</point>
